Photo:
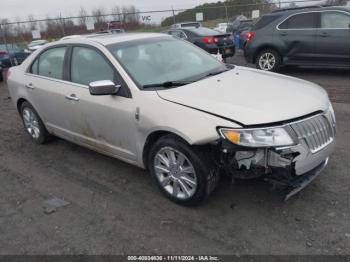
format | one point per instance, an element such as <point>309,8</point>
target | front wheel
<point>181,172</point>
<point>269,60</point>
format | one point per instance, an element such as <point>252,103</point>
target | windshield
<point>167,59</point>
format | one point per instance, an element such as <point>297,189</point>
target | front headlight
<point>259,137</point>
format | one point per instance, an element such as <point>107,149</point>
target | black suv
<point>314,36</point>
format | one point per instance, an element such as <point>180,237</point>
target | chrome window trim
<point>316,28</point>
<point>72,45</point>
<point>56,80</point>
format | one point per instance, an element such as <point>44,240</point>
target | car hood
<point>251,97</point>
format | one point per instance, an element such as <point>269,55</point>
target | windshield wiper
<point>167,84</point>
<point>216,73</point>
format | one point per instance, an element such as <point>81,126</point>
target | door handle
<point>72,97</point>
<point>284,34</point>
<point>30,86</point>
<point>324,34</point>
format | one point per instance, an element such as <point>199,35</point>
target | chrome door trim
<point>57,80</point>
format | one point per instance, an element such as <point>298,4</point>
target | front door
<point>106,123</point>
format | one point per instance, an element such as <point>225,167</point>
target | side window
<point>88,66</point>
<point>182,35</point>
<point>335,20</point>
<point>178,34</point>
<point>300,21</point>
<point>34,69</point>
<point>51,63</point>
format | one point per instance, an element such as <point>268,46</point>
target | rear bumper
<point>214,49</point>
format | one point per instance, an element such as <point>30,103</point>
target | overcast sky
<point>41,8</point>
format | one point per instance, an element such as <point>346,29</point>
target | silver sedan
<point>167,106</point>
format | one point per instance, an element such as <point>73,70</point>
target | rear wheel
<point>269,60</point>
<point>33,124</point>
<point>181,173</point>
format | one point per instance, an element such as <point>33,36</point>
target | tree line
<point>228,9</point>
<point>57,27</point>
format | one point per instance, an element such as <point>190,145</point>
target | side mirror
<point>103,88</point>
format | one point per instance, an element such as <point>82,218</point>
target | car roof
<point>108,39</point>
<point>309,9</point>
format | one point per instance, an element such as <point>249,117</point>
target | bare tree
<point>82,16</point>
<point>336,2</point>
<point>130,15</point>
<point>116,13</point>
<point>292,5</point>
<point>98,14</point>
<point>32,23</point>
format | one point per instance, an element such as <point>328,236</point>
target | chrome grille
<point>318,131</point>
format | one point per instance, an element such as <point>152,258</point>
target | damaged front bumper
<point>291,167</point>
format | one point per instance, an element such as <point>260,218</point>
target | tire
<point>182,187</point>
<point>1,76</point>
<point>33,124</point>
<point>269,60</point>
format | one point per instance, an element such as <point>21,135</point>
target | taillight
<point>250,36</point>
<point>208,40</point>
<point>3,53</point>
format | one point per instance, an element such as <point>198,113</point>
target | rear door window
<point>50,63</point>
<point>300,21</point>
<point>335,20</point>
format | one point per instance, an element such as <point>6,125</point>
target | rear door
<point>296,37</point>
<point>46,89</point>
<point>333,38</point>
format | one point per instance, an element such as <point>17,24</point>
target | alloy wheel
<point>175,173</point>
<point>267,61</point>
<point>31,123</point>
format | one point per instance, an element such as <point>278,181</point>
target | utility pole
<point>174,18</point>
<point>62,25</point>
<point>226,11</point>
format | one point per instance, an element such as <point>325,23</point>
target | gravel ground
<point>114,208</point>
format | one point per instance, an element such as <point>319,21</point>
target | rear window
<point>202,31</point>
<point>300,21</point>
<point>265,20</point>
<point>191,25</point>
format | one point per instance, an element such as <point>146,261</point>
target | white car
<point>222,27</point>
<point>165,105</point>
<point>35,45</point>
<point>186,25</point>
